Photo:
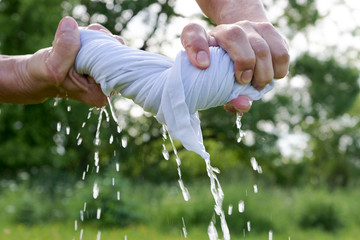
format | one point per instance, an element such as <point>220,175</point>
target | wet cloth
<point>173,91</point>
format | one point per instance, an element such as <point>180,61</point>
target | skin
<point>50,72</point>
<point>260,53</point>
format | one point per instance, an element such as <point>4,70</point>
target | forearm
<point>231,11</point>
<point>16,82</point>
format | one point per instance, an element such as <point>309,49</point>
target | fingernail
<point>246,76</point>
<point>202,58</point>
<point>67,24</point>
<point>238,76</point>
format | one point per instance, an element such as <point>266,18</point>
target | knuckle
<point>282,57</point>
<point>234,33</point>
<point>260,48</point>
<point>193,36</point>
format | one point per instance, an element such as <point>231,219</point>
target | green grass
<point>298,213</point>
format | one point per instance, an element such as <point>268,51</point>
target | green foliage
<point>321,214</point>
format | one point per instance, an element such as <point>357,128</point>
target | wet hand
<point>258,51</point>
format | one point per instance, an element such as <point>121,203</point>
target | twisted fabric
<point>173,91</point>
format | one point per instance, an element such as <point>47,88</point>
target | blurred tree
<point>317,108</point>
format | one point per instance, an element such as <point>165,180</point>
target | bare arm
<point>231,11</point>
<point>49,72</point>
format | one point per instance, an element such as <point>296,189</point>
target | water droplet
<point>83,124</point>
<point>165,153</point>
<point>255,165</point>
<point>81,233</point>
<point>98,236</point>
<point>184,228</point>
<point>118,195</point>
<point>79,141</point>
<point>270,235</point>
<point>241,206</point>
<point>98,213</point>
<point>212,232</point>
<point>81,215</point>
<point>164,131</point>
<point>84,206</point>
<point>255,188</point>
<point>75,225</point>
<point>67,130</point>
<point>83,176</point>
<point>248,226</point>
<point>230,208</point>
<point>238,126</point>
<point>124,142</point>
<point>117,166</point>
<point>113,181</point>
<point>178,161</point>
<point>184,190</point>
<point>96,158</point>
<point>97,169</point>
<point>111,140</point>
<point>95,191</point>
<point>87,168</point>
<point>58,126</point>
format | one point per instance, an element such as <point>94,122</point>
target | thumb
<point>65,48</point>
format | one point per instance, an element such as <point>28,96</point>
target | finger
<point>235,42</point>
<point>264,72</point>
<point>84,89</point>
<point>65,48</point>
<point>98,27</point>
<point>241,104</point>
<point>195,41</point>
<point>101,28</point>
<point>278,48</point>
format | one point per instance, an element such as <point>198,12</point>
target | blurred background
<point>304,136</point>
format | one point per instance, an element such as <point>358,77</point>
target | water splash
<point>165,153</point>
<point>118,195</point>
<point>241,206</point>
<point>255,165</point>
<point>67,129</point>
<point>238,126</point>
<point>218,196</point>
<point>96,158</point>
<point>248,224</point>
<point>98,236</point>
<point>95,190</point>
<point>255,189</point>
<point>81,233</point>
<point>98,213</point>
<point>184,228</point>
<point>270,235</point>
<point>212,233</point>
<point>58,126</point>
<point>184,190</point>
<point>230,208</point>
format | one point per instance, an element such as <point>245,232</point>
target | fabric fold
<point>173,91</point>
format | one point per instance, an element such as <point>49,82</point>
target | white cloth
<point>173,91</point>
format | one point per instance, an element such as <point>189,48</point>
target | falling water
<point>238,126</point>
<point>95,190</point>
<point>184,190</point>
<point>218,195</point>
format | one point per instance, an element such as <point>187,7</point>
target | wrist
<point>232,11</point>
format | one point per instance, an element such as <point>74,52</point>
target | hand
<point>51,73</point>
<point>259,52</point>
